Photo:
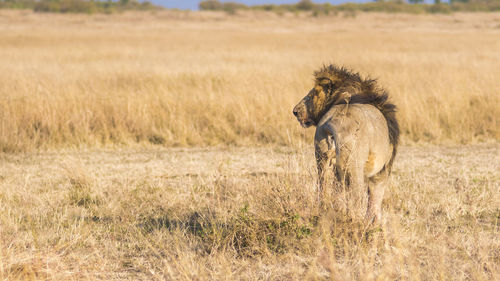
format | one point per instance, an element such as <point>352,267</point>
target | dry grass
<point>183,79</point>
<point>243,214</point>
<point>87,196</point>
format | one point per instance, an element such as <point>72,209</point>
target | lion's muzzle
<point>301,113</point>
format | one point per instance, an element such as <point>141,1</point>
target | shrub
<point>214,5</point>
<point>210,5</point>
<point>47,6</point>
<point>439,8</point>
<point>65,6</point>
<point>85,6</point>
<point>305,5</point>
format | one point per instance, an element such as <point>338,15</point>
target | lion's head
<point>308,109</point>
<point>329,88</point>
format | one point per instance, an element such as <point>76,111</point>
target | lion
<point>356,135</point>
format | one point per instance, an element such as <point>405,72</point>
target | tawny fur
<point>356,134</point>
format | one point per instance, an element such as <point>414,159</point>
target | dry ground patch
<point>242,213</point>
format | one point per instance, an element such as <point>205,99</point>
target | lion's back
<point>362,127</point>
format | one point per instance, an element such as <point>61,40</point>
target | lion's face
<point>308,108</point>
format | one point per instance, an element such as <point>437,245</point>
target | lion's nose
<point>295,112</point>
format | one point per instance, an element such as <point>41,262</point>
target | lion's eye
<point>325,82</point>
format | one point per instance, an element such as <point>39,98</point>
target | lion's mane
<point>349,87</point>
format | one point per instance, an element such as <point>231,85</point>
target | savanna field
<point>162,146</point>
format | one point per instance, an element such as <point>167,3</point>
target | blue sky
<point>193,4</point>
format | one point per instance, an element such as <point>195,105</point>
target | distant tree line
<point>393,6</point>
<point>78,6</point>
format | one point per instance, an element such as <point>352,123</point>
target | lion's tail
<point>389,111</point>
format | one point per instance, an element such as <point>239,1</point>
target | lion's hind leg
<point>351,180</point>
<point>376,188</point>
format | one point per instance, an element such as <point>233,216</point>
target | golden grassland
<point>182,79</point>
<point>91,186</point>
<point>243,214</point>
